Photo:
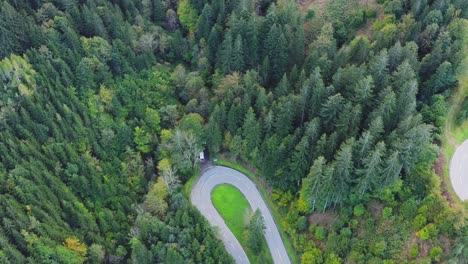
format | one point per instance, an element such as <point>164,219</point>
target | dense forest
<point>339,105</point>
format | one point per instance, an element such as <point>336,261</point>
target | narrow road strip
<point>459,171</point>
<point>201,199</point>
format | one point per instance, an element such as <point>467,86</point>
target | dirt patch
<point>445,244</point>
<point>375,208</point>
<point>322,219</point>
<point>438,167</point>
<point>412,241</point>
<point>319,5</point>
<point>424,249</point>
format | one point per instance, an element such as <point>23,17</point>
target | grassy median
<point>273,208</point>
<point>232,206</point>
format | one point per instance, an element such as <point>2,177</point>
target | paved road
<point>201,198</point>
<point>459,171</point>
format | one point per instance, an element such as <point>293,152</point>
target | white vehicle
<point>202,156</point>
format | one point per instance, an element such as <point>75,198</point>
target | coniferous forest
<point>339,105</point>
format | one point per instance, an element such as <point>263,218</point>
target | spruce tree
<point>238,55</point>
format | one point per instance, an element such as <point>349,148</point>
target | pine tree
<point>378,70</point>
<point>225,58</point>
<point>251,41</point>
<point>363,91</point>
<point>369,175</point>
<point>204,26</point>
<point>238,55</point>
<point>311,185</point>
<point>250,132</point>
<point>276,49</point>
<point>391,170</point>
<point>158,13</point>
<point>282,89</point>
<point>213,42</point>
<point>344,170</point>
<point>318,92</point>
<point>300,160</point>
<point>331,109</point>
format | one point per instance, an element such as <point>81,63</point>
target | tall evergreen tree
<point>369,175</point>
<point>238,55</point>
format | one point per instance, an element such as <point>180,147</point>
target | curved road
<point>201,198</point>
<point>459,171</point>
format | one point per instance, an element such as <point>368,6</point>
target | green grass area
<point>272,206</point>
<point>189,184</point>
<point>232,206</point>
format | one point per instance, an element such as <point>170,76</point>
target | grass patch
<point>232,206</point>
<point>272,206</point>
<point>189,184</point>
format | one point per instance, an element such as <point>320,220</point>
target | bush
<point>429,231</point>
<point>370,13</point>
<point>320,233</point>
<point>378,248</point>
<point>312,256</point>
<point>436,253</point>
<point>387,212</point>
<point>359,210</point>
<point>419,221</point>
<point>312,228</point>
<point>310,13</point>
<point>414,252</point>
<point>301,223</point>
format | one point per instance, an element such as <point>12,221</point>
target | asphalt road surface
<point>201,198</point>
<point>459,171</point>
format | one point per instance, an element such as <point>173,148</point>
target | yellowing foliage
<point>74,244</point>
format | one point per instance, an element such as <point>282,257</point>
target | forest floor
<point>456,131</point>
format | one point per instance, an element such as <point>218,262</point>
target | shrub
<point>301,223</point>
<point>320,233</point>
<point>419,221</point>
<point>436,253</point>
<point>414,252</point>
<point>370,13</point>
<point>312,228</point>
<point>387,212</point>
<point>429,231</point>
<point>359,210</point>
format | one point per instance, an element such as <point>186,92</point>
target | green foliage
<point>95,100</point>
<point>320,233</point>
<point>156,199</point>
<point>429,231</point>
<point>256,231</point>
<point>419,221</point>
<point>231,205</point>
<point>414,251</point>
<point>435,254</point>
<point>359,210</point>
<point>187,15</point>
<point>387,212</point>
<point>312,257</point>
<point>142,140</point>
